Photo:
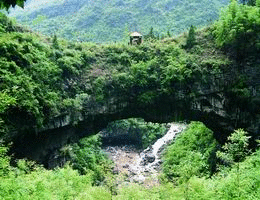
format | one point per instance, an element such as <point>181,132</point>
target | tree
<point>126,34</point>
<point>168,33</point>
<point>248,2</point>
<point>257,3</point>
<point>192,154</point>
<point>191,40</point>
<point>238,28</point>
<point>55,42</point>
<point>6,4</point>
<point>251,2</point>
<point>150,35</point>
<point>235,151</point>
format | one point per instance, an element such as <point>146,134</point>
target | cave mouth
<point>121,140</point>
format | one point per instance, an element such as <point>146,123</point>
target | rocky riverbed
<point>136,166</point>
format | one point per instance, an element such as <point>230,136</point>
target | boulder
<point>147,158</point>
<point>115,171</point>
<point>126,166</point>
<point>150,158</point>
<point>132,172</point>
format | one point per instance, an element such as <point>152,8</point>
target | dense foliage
<point>29,181</point>
<point>109,21</point>
<point>228,183</point>
<point>44,78</point>
<point>192,153</point>
<point>8,3</point>
<point>27,74</point>
<point>239,27</point>
<point>87,157</point>
<point>236,149</point>
<point>143,133</point>
<point>222,186</point>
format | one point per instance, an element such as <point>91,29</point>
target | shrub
<point>191,154</point>
<point>87,156</point>
<point>4,161</point>
<point>236,149</point>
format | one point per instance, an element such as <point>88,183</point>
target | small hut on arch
<point>136,38</point>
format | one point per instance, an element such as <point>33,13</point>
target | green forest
<point>109,21</point>
<point>190,77</point>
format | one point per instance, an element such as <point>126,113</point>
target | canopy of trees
<point>106,21</point>
<point>8,3</point>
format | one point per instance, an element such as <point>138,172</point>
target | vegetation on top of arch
<point>6,4</point>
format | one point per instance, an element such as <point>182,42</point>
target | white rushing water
<point>158,146</point>
<point>166,139</point>
<point>143,167</point>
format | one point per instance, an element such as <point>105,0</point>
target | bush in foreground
<point>192,154</point>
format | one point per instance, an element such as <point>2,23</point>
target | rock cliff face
<point>223,102</point>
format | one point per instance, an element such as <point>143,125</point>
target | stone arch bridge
<point>212,102</point>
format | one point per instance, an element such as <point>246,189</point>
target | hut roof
<point>135,34</point>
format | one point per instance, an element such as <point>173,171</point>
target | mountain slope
<point>103,20</point>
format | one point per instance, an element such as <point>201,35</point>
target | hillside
<point>48,79</point>
<point>109,21</point>
<point>55,95</point>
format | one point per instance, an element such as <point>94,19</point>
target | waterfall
<point>144,166</point>
<point>166,139</point>
<point>150,157</point>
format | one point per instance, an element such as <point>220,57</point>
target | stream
<point>133,166</point>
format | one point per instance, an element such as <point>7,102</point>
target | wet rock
<point>160,162</point>
<point>148,149</point>
<point>161,149</point>
<point>149,158</point>
<point>132,173</point>
<point>156,165</point>
<point>146,170</point>
<point>139,179</point>
<point>126,166</point>
<point>115,171</point>
<point>140,167</point>
<point>143,163</point>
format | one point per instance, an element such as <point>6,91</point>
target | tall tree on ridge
<point>151,34</point>
<point>191,40</point>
